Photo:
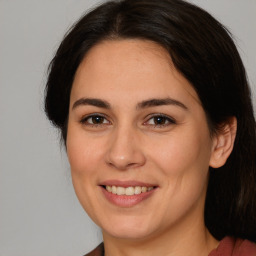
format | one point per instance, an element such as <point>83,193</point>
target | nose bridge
<point>124,149</point>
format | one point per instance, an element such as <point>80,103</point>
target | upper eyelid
<point>161,115</point>
<point>86,117</point>
<point>94,114</point>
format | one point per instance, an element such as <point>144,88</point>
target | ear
<point>223,143</point>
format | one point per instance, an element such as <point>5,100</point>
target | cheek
<point>83,152</point>
<point>183,163</point>
<point>83,158</point>
<point>183,153</point>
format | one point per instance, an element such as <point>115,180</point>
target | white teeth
<point>137,190</point>
<point>120,191</point>
<point>130,191</point>
<point>143,189</point>
<point>113,189</point>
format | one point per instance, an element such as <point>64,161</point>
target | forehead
<point>127,66</point>
<point>132,50</point>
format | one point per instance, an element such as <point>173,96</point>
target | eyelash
<point>85,119</point>
<point>166,118</point>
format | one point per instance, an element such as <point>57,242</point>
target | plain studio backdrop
<point>39,212</point>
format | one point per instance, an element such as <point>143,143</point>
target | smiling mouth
<point>128,191</point>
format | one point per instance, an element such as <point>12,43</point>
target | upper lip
<point>126,184</point>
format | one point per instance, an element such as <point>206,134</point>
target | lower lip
<point>126,201</point>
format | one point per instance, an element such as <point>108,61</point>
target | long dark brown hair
<point>203,51</point>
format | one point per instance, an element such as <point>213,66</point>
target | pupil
<point>159,120</point>
<point>97,119</point>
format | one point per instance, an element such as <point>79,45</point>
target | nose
<point>125,150</point>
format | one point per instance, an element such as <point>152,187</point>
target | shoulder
<point>98,251</point>
<point>234,247</point>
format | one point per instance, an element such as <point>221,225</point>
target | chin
<point>128,233</point>
<point>128,229</point>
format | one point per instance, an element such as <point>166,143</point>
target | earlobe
<point>223,143</point>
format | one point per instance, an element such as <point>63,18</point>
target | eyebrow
<point>160,102</point>
<point>93,102</point>
<point>144,104</point>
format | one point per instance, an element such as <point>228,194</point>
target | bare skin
<point>134,119</point>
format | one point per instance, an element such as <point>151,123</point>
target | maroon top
<point>98,251</point>
<point>234,247</point>
<point>227,247</point>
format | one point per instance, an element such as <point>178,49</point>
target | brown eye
<point>97,119</point>
<point>94,120</point>
<point>160,120</point>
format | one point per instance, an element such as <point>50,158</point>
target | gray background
<point>39,213</point>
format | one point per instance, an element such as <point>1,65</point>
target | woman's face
<point>138,141</point>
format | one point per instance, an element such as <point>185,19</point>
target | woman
<point>154,108</point>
